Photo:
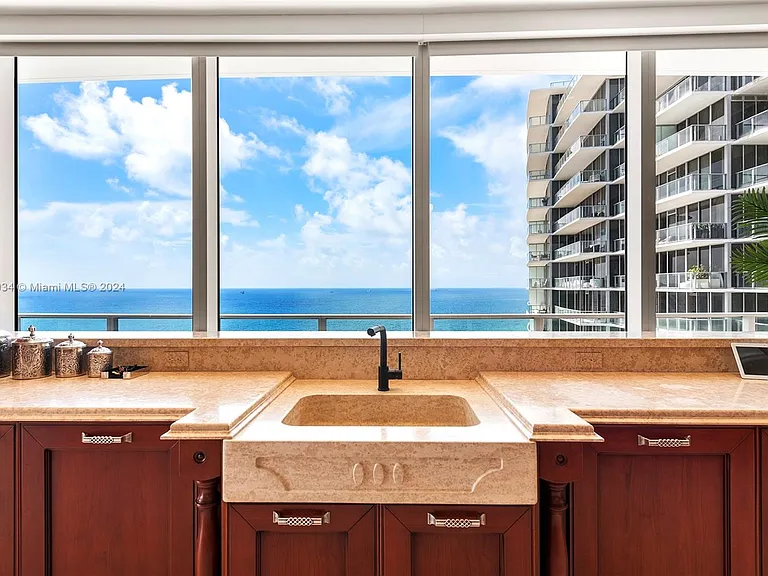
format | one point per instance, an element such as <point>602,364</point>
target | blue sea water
<point>277,301</point>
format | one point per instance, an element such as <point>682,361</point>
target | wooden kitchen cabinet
<point>644,509</point>
<point>300,540</point>
<point>103,509</point>
<point>458,541</point>
<point>7,508</point>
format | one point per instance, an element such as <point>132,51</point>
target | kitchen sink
<point>381,410</point>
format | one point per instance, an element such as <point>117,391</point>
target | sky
<point>316,182</point>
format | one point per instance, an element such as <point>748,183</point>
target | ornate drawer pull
<point>664,442</point>
<point>432,520</point>
<point>124,439</point>
<point>301,521</point>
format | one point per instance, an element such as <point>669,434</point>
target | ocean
<point>276,301</point>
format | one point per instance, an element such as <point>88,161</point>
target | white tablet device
<point>752,359</point>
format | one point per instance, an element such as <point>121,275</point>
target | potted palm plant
<point>750,211</point>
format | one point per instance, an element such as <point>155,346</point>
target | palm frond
<point>750,212</point>
<point>752,261</point>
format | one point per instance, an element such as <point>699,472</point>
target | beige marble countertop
<point>558,406</point>
<point>325,454</point>
<point>212,405</point>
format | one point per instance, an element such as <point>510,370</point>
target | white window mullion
<point>8,249</point>
<point>205,194</point>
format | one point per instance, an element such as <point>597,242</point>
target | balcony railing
<point>538,282</point>
<point>560,83</point>
<point>538,202</point>
<point>539,256</point>
<point>692,231</point>
<point>539,227</point>
<point>579,282</point>
<point>538,148</point>
<point>618,99</point>
<point>537,121</point>
<point>537,175</point>
<point>619,208</point>
<point>690,280</point>
<point>693,133</point>
<point>619,135</point>
<point>596,211</point>
<point>620,281</point>
<point>582,247</point>
<point>688,86</point>
<point>583,177</point>
<point>619,172</point>
<point>690,183</point>
<point>619,244</point>
<point>753,124</point>
<point>752,176</point>
<point>596,105</point>
<point>593,141</point>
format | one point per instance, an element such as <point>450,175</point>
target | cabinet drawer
<point>670,439</point>
<point>95,436</point>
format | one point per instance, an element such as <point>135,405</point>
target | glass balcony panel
<point>752,176</point>
<point>689,85</point>
<point>693,133</point>
<point>689,183</point>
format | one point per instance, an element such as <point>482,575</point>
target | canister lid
<point>70,342</point>
<point>100,349</point>
<point>33,339</point>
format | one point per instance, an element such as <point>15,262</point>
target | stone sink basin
<point>381,410</point>
<point>423,442</point>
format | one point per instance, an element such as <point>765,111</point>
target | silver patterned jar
<point>69,358</point>
<point>32,356</point>
<point>5,354</point>
<point>99,360</point>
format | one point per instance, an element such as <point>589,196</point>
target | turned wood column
<point>200,461</point>
<point>560,464</point>
<point>555,560</point>
<point>208,522</point>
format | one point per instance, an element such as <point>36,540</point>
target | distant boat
<point>242,291</point>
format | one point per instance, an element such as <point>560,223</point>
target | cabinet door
<point>687,506</point>
<point>7,484</point>
<point>458,541</point>
<point>296,540</point>
<point>103,509</point>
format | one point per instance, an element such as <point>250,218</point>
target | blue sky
<point>316,185</point>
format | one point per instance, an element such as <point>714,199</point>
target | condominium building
<point>711,144</point>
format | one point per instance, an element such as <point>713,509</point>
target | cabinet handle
<point>124,439</point>
<point>301,521</point>
<point>476,522</point>
<point>664,442</point>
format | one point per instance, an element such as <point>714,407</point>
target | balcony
<point>752,85</point>
<point>688,97</point>
<point>538,148</point>
<point>753,130</point>
<point>581,250</point>
<point>579,219</point>
<point>617,102</point>
<point>580,154</point>
<point>619,281</point>
<point>535,121</point>
<point>691,188</point>
<point>690,235</point>
<point>752,176</point>
<point>538,232</point>
<point>691,280</point>
<point>619,208</point>
<point>618,174</point>
<point>618,137</point>
<point>537,208</point>
<point>584,320</point>
<point>579,282</point>
<point>539,309</point>
<point>539,258</point>
<point>618,244</point>
<point>579,187</point>
<point>581,120</point>
<point>538,283</point>
<point>689,143</point>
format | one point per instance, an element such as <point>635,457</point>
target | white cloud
<point>383,124</point>
<point>151,137</point>
<point>335,92</point>
<point>237,218</point>
<point>278,122</point>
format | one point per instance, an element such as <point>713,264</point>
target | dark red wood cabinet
<point>291,540</point>
<point>655,500</point>
<point>368,540</point>
<point>97,509</point>
<point>7,499</point>
<point>458,541</point>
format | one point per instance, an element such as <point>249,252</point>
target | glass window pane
<point>528,150</point>
<point>316,192</point>
<point>104,177</point>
